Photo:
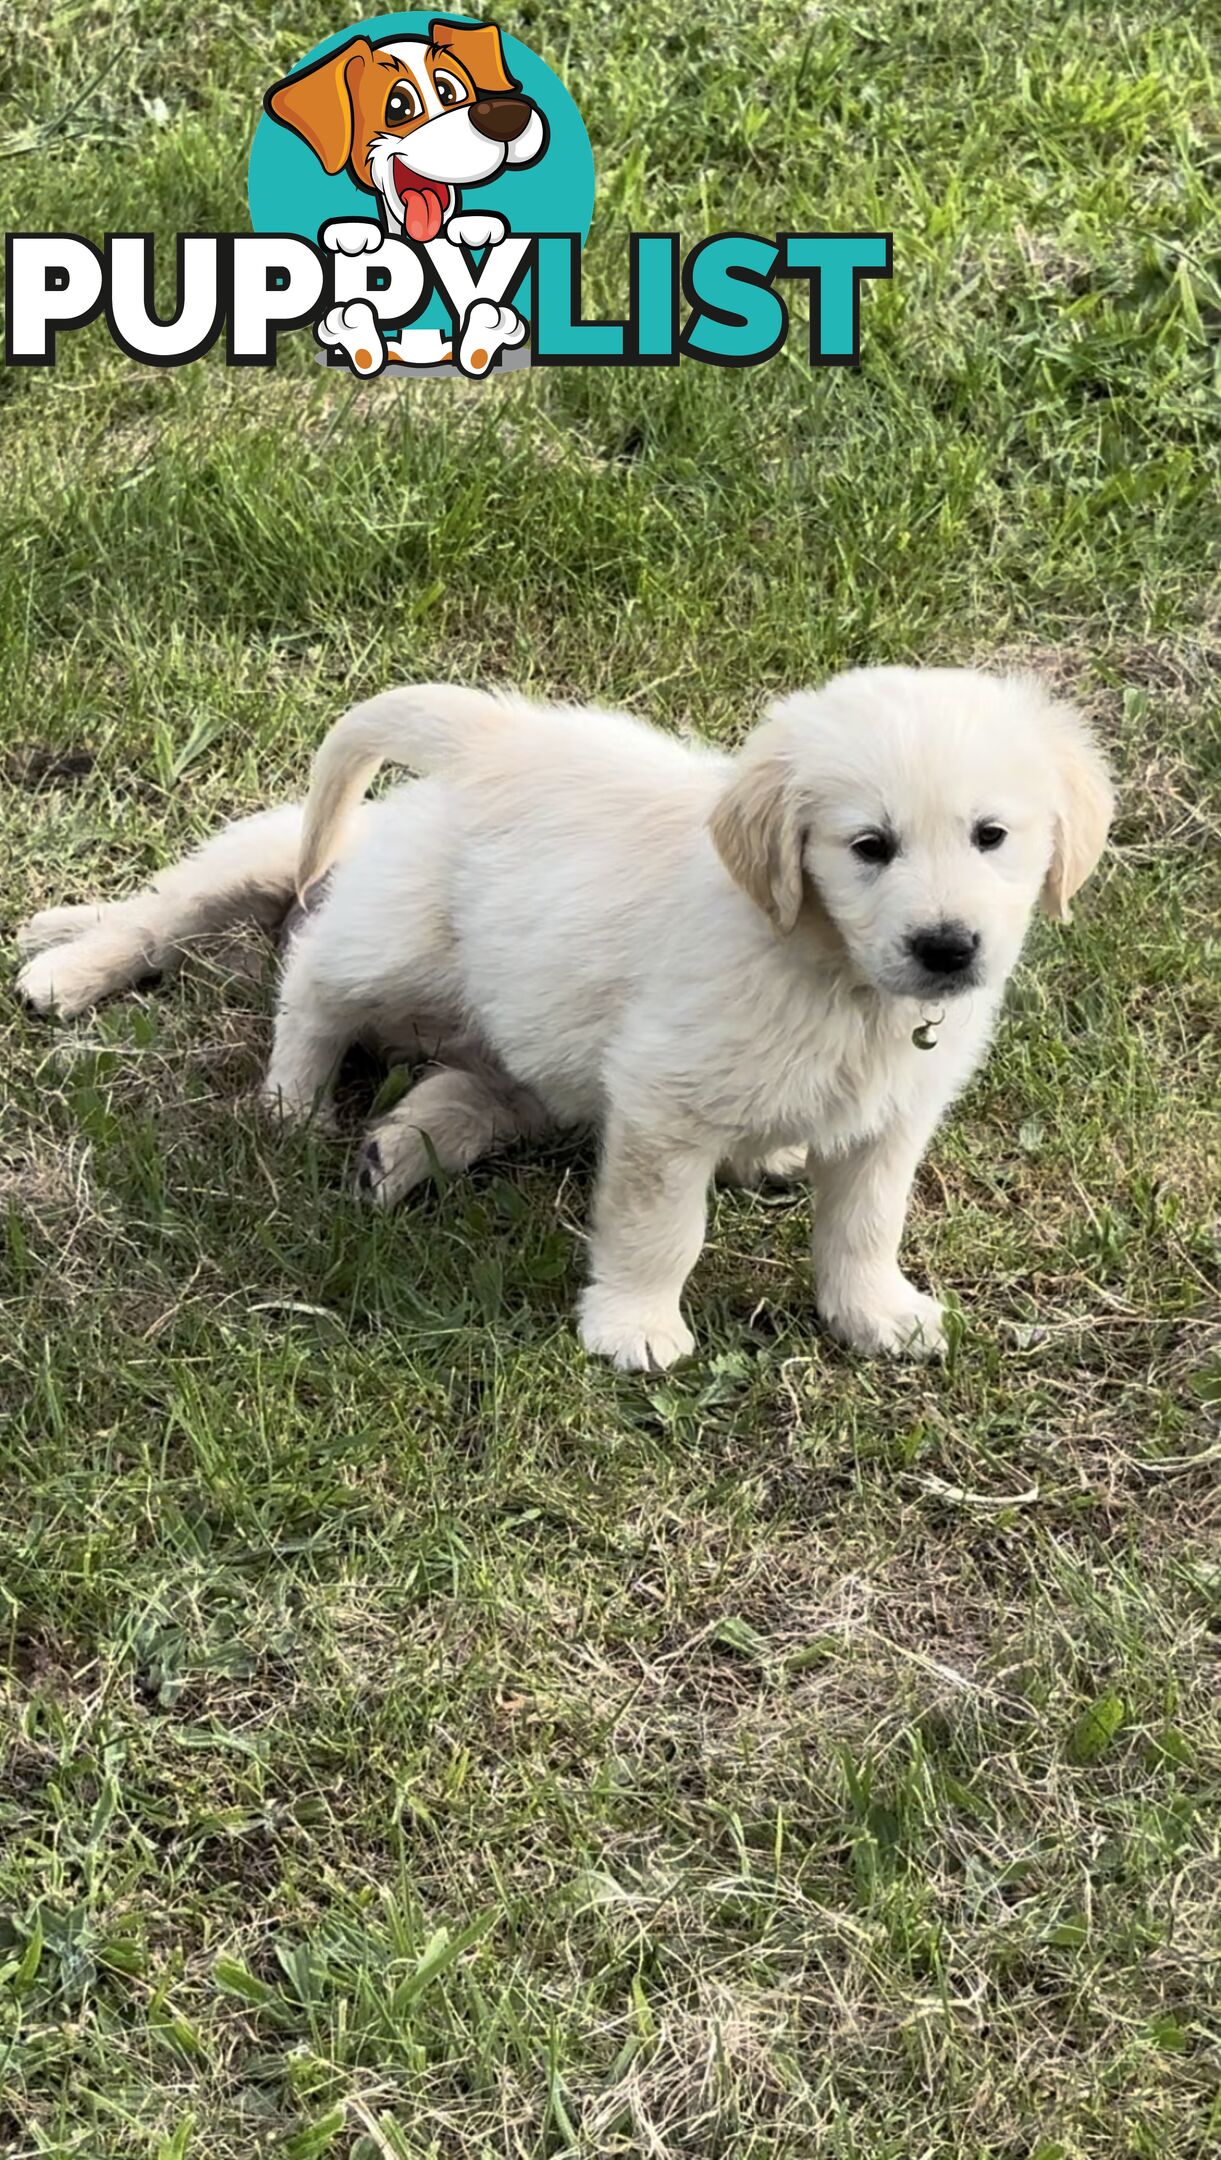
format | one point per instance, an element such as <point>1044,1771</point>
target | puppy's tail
<point>426,728</point>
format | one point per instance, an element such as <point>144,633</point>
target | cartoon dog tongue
<point>422,214</point>
<point>423,202</point>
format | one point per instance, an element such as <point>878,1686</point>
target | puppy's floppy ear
<point>477,48</point>
<point>1085,805</point>
<point>757,828</point>
<point>317,105</point>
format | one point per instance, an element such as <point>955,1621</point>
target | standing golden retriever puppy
<point>713,958</point>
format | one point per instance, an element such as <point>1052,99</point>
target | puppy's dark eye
<point>988,835</point>
<point>878,848</point>
<point>402,104</point>
<point>448,88</point>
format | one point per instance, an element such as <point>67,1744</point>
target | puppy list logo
<point>420,189</point>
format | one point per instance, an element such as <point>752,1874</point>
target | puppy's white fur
<point>583,919</point>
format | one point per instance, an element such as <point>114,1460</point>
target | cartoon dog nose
<point>948,948</point>
<point>501,119</point>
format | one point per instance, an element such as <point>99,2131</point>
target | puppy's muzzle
<point>501,119</point>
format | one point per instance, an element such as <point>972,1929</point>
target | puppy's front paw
<point>634,1338</point>
<point>905,1323</point>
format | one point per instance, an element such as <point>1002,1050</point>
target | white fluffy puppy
<point>714,958</point>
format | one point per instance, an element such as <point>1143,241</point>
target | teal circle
<point>289,191</point>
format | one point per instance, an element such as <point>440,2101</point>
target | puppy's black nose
<point>947,949</point>
<point>501,119</point>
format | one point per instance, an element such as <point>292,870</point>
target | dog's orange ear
<point>317,105</point>
<point>477,48</point>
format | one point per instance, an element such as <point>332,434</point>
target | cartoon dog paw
<point>488,329</point>
<point>352,236</point>
<point>476,229</point>
<point>353,331</point>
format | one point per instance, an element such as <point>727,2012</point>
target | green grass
<point>416,1740</point>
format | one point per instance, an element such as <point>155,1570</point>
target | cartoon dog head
<point>413,119</point>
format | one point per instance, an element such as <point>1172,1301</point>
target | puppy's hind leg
<point>55,926</point>
<point>748,1168</point>
<point>314,1027</point>
<point>246,873</point>
<point>452,1115</point>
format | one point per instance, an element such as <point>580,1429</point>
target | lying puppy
<point>714,958</point>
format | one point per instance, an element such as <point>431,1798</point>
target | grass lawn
<point>416,1740</point>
